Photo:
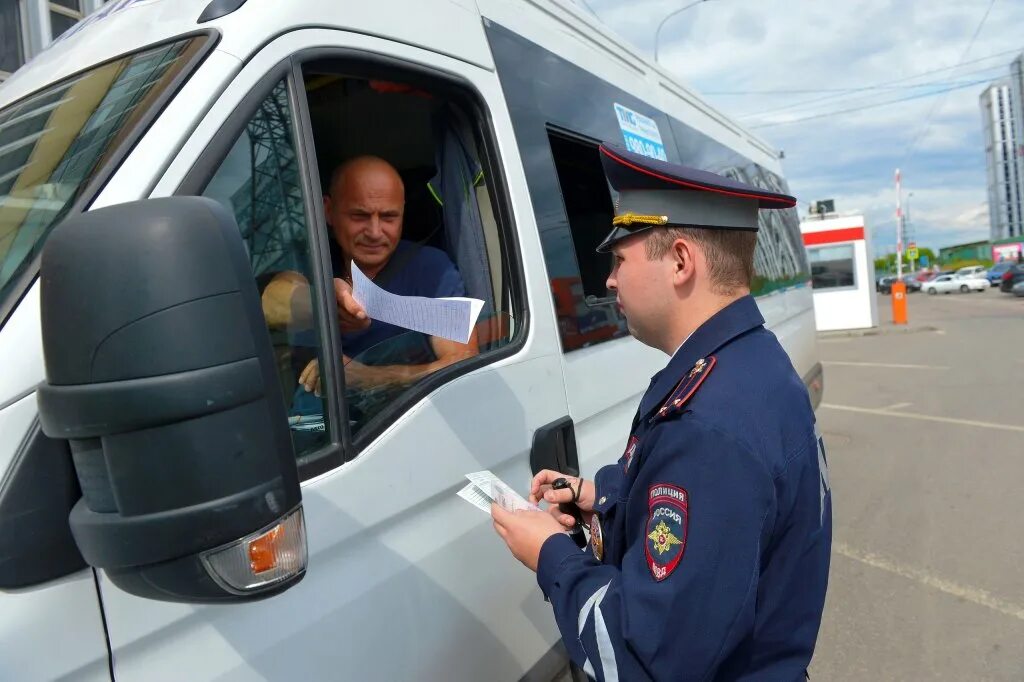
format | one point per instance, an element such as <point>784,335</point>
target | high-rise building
<point>1002,147</point>
<point>1017,109</point>
<point>28,26</point>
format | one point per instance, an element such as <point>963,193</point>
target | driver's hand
<point>360,376</point>
<point>310,377</point>
<point>352,315</point>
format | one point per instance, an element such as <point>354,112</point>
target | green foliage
<point>888,263</point>
<point>957,264</point>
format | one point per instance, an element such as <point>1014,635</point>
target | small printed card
<point>485,488</point>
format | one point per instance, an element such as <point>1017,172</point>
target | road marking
<point>971,594</point>
<point>886,365</point>
<point>925,417</point>
<point>899,406</point>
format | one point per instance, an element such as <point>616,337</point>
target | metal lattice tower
<point>270,208</point>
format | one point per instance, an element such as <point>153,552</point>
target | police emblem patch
<point>630,451</point>
<point>596,538</point>
<point>667,519</point>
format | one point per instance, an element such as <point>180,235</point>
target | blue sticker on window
<point>640,133</point>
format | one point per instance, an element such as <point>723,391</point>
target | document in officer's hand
<point>485,488</point>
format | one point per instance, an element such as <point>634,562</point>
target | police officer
<point>710,537</point>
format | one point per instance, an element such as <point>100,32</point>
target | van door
<point>405,580</point>
<point>35,608</point>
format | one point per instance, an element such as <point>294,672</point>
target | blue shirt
<point>413,270</point>
<point>715,526</point>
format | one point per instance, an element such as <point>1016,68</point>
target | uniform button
<point>602,500</point>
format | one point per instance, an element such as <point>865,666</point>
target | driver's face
<point>365,210</point>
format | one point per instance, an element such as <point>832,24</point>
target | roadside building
<point>842,271</point>
<point>28,26</point>
<point>1007,249</point>
<point>962,252</point>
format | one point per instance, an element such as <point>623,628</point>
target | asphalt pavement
<point>924,429</point>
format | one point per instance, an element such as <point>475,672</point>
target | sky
<point>769,63</point>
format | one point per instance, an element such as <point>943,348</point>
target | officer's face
<point>643,289</point>
<point>364,210</point>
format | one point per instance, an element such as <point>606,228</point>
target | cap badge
<point>628,219</point>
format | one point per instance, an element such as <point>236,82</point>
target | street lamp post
<point>657,34</point>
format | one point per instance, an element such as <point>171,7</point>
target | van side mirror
<point>160,374</point>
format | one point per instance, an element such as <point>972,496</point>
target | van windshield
<point>53,143</point>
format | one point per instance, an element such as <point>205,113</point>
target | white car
<point>943,284</point>
<point>971,271</point>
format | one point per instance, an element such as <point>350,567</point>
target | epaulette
<point>685,389</point>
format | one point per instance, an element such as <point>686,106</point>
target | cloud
<point>730,46</point>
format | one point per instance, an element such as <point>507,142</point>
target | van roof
<point>124,26</point>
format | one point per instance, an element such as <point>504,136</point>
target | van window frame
<point>342,447</point>
<point>21,285</point>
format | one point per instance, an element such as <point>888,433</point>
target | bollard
<point>899,302</point>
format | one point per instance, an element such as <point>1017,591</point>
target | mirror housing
<point>160,374</point>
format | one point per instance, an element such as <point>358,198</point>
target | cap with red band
<point>655,193</point>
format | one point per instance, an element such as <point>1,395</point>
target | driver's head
<point>364,206</point>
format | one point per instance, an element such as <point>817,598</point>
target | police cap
<point>655,193</point>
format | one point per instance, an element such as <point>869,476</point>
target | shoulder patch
<point>685,389</point>
<point>667,520</point>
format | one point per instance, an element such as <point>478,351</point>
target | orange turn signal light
<point>263,551</point>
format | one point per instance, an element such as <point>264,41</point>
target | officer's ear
<point>683,255</point>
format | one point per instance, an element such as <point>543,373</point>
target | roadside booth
<point>842,272</point>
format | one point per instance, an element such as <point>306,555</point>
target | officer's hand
<point>353,317</point>
<point>541,489</point>
<point>524,532</point>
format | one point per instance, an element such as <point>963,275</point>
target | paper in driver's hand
<point>484,488</point>
<point>447,318</point>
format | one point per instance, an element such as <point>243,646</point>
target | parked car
<point>1018,289</point>
<point>885,284</point>
<point>1014,274</point>
<point>883,280</point>
<point>944,284</point>
<point>995,273</point>
<point>978,271</point>
<point>913,284</point>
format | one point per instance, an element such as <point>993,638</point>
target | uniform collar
<point>736,318</point>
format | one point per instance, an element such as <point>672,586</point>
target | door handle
<point>554,447</point>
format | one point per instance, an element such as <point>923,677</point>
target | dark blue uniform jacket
<point>714,528</point>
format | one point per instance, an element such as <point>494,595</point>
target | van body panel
<point>34,619</point>
<point>394,557</point>
<point>21,347</point>
<point>54,631</point>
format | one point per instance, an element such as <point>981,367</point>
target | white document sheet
<point>484,488</point>
<point>447,318</point>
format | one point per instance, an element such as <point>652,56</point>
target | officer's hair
<point>729,253</point>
